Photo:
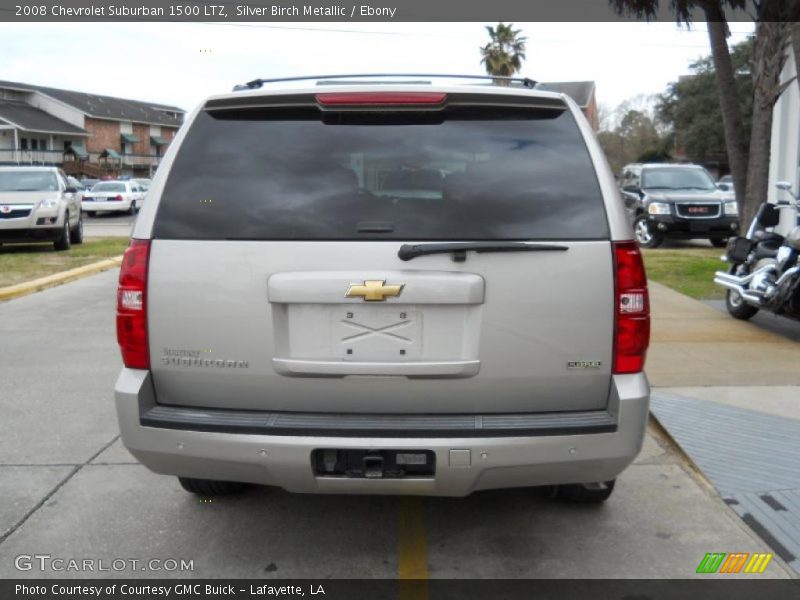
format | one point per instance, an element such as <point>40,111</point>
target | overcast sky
<point>181,63</point>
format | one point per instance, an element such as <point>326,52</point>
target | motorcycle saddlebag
<point>768,215</point>
<point>738,249</point>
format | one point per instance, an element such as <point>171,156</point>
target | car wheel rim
<point>735,299</point>
<point>643,235</point>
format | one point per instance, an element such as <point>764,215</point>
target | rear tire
<point>63,243</point>
<point>718,242</point>
<point>644,237</point>
<point>211,487</point>
<point>580,494</point>
<point>76,234</point>
<point>737,307</point>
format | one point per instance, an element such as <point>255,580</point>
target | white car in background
<point>143,183</point>
<point>74,183</point>
<point>119,196</point>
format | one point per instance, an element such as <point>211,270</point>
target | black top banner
<point>361,10</point>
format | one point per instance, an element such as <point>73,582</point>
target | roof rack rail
<point>257,83</point>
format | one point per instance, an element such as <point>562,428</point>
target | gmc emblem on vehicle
<point>697,210</point>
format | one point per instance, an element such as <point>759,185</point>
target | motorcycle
<point>764,272</point>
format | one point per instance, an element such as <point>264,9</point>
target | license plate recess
<point>373,464</point>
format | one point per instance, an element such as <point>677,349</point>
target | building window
<point>23,143</point>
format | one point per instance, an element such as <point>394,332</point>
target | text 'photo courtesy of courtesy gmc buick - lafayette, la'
<point>395,285</point>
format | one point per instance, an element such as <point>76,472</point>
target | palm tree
<point>504,53</point>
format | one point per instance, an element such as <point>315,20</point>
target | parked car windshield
<point>477,174</point>
<point>28,181</point>
<point>677,179</point>
<point>109,186</point>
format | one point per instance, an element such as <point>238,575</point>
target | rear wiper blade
<point>459,249</point>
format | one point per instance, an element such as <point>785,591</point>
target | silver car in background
<point>39,204</point>
<point>418,288</point>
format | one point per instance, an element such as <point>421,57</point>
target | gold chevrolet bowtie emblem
<point>373,290</point>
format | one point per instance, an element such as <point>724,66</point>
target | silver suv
<point>384,288</point>
<point>39,204</point>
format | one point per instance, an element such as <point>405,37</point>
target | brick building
<point>87,134</point>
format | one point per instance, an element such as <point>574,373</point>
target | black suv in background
<point>677,201</point>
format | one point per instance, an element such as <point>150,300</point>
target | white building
<point>784,162</point>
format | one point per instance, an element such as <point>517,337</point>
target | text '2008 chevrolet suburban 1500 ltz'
<point>423,287</point>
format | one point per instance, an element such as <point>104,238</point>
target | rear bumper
<point>493,459</point>
<point>93,206</point>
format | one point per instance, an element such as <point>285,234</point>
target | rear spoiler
<point>383,100</point>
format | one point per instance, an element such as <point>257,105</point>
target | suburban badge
<point>584,364</point>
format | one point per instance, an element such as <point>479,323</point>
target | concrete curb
<point>35,285</point>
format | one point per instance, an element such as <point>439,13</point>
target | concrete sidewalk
<point>749,456</point>
<point>694,345</point>
<point>726,392</point>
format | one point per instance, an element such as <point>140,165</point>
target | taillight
<point>118,198</point>
<point>361,98</point>
<point>631,309</point>
<point>132,306</point>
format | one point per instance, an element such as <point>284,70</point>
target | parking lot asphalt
<point>108,225</point>
<point>68,489</point>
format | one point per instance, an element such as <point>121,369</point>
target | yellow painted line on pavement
<point>412,554</point>
<point>28,287</point>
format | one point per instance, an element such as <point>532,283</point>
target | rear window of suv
<point>464,174</point>
<point>109,187</point>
